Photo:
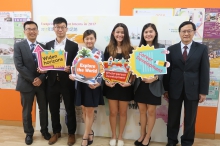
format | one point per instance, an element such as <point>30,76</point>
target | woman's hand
<point>71,77</point>
<point>125,84</point>
<point>110,84</point>
<point>150,80</point>
<point>93,86</point>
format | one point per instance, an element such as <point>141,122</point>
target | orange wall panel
<point>16,5</point>
<point>127,6</point>
<point>206,120</point>
<point>10,102</point>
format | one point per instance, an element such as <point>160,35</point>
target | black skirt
<point>144,95</point>
<point>88,97</point>
<point>119,93</point>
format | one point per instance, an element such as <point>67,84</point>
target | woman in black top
<point>118,94</point>
<point>148,91</point>
<point>88,96</point>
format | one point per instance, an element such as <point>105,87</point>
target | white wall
<point>75,7</point>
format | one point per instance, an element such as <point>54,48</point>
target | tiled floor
<point>14,136</point>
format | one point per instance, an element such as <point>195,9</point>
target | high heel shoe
<point>82,142</point>
<point>138,143</point>
<point>91,141</point>
<point>147,144</point>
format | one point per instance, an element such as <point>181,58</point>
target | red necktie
<point>185,53</point>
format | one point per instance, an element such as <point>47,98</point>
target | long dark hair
<point>125,46</point>
<point>155,41</point>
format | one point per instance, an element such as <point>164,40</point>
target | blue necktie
<point>33,54</point>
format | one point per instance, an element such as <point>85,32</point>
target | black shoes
<point>137,143</point>
<point>29,139</point>
<point>46,135</point>
<point>147,144</point>
<point>91,141</point>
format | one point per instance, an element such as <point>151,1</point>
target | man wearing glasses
<point>58,83</point>
<point>187,81</point>
<point>30,82</point>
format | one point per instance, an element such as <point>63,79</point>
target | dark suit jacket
<point>71,48</point>
<point>26,67</point>
<point>193,74</point>
<point>156,87</point>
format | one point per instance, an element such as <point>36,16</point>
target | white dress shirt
<point>182,47</point>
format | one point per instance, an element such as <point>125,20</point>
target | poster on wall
<point>19,19</point>
<point>6,25</point>
<point>213,50</point>
<point>197,16</point>
<point>212,23</point>
<point>152,12</point>
<point>11,26</point>
<point>8,76</point>
<point>213,95</point>
<point>78,24</point>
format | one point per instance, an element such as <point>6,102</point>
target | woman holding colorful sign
<point>118,93</point>
<point>88,95</point>
<point>148,91</point>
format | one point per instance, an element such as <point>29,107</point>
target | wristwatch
<point>156,78</point>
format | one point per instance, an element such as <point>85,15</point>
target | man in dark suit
<point>187,80</point>
<point>58,83</point>
<point>30,82</point>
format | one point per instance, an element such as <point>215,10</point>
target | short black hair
<point>187,23</point>
<point>30,22</point>
<point>89,32</point>
<point>59,20</point>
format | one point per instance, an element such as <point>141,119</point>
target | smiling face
<point>149,35</point>
<point>119,34</point>
<point>31,32</point>
<point>89,41</point>
<point>186,34</point>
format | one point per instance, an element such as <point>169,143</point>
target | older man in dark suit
<point>30,82</point>
<point>187,81</point>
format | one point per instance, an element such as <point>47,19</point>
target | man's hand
<point>202,98</point>
<point>166,95</point>
<point>67,69</point>
<point>149,80</point>
<point>40,71</point>
<point>93,86</point>
<point>110,84</point>
<point>72,77</point>
<point>125,84</point>
<point>37,82</point>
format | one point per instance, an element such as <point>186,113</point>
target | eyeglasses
<point>187,31</point>
<point>58,28</point>
<point>31,29</point>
